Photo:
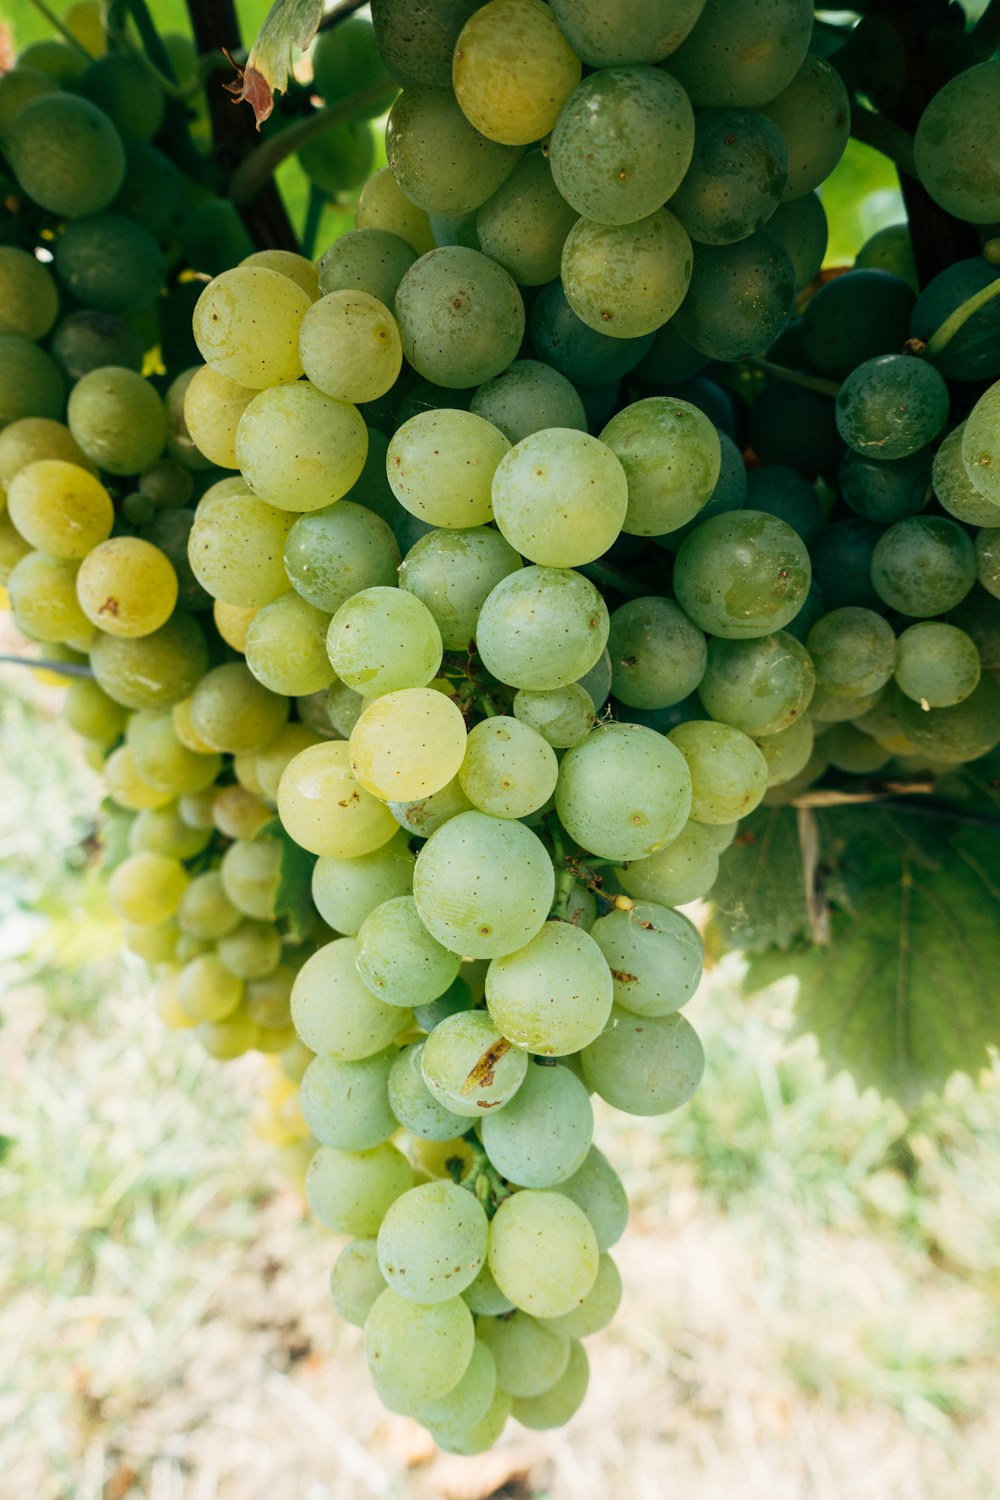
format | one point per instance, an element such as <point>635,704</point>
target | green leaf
<point>288,25</point>
<point>759,898</point>
<point>293,902</point>
<point>905,993</point>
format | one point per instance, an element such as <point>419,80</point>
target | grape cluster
<point>558,518</point>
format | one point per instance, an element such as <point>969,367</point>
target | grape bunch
<point>447,618</point>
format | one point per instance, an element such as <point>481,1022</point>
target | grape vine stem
<point>63,30</point>
<point>942,337</point>
<point>794,377</point>
<point>63,668</point>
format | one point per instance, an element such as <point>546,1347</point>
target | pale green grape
<point>655,957</point>
<point>205,911</point>
<point>955,147</point>
<point>788,752</point>
<point>937,665</point>
<point>268,1000</point>
<point>760,685</point>
<point>562,716</point>
<point>43,600</point>
<point>598,1307</point>
<point>439,160</point>
<point>452,573</point>
<point>559,497</point>
<point>125,785</point>
<point>161,830</point>
<point>232,1037</point>
<point>543,1252</point>
<point>152,670</point>
<point>552,996</point>
<point>671,455</point>
<point>296,267</point>
<point>853,651</point>
<point>988,563</point>
<point>481,1436</point>
<point>270,761</point>
<point>460,316</point>
<point>624,792</point>
<point>441,465</point>
<point>246,326</point>
<point>605,32</point>
<point>239,813</point>
<point>523,227</point>
<point>345,891</point>
<point>528,396</point>
<point>252,950</point>
<point>32,439</point>
<point>644,1065</point>
<point>981,444</point>
<point>891,406</point>
<point>658,656</point>
<point>554,1407</point>
<point>285,646</point>
<point>66,154</point>
<point>231,711</point>
<point>60,508</point>
<point>298,448</point>
<point>350,1191</point>
<point>398,959</point>
<point>147,887</point>
<point>736,178</point>
<point>508,769</point>
<point>742,573</point>
<point>251,874</point>
<point>350,347</point>
<point>207,990</point>
<point>356,1281</point>
<point>728,772</point>
<point>458,996</point>
<point>428,814</point>
<point>213,406</point>
<point>432,1242</point>
<point>416,1353</point>
<point>413,1104</point>
<point>542,628</point>
<point>626,280</point>
<point>513,69</point>
<point>529,1357</point>
<point>382,204</point>
<point>346,1104</point>
<point>366,260</point>
<point>923,566</point>
<point>343,707</point>
<point>483,886</point>
<point>154,942</point>
<point>469,1067</point>
<point>813,115</point>
<point>235,547</point>
<point>127,587</point>
<point>597,1189</point>
<point>333,553</point>
<point>954,489</point>
<point>384,639</point>
<point>326,810</point>
<point>89,711</point>
<point>743,52</point>
<point>452,1415</point>
<point>118,419</point>
<point>335,1012</point>
<point>408,744</point>
<point>484,1296</point>
<point>544,1134</point>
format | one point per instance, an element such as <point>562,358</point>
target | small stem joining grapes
<point>63,30</point>
<point>613,578</point>
<point>794,377</point>
<point>63,668</point>
<point>484,1180</point>
<point>942,337</point>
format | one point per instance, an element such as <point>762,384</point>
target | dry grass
<point>812,1301</point>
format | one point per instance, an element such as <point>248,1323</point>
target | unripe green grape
<point>345,891</point>
<point>285,646</point>
<point>543,1252</point>
<point>529,1356</point>
<point>432,1242</point>
<point>562,716</point>
<point>742,574</point>
<point>382,204</point>
<point>251,874</point>
<point>853,651</point>
<point>207,990</point>
<point>66,154</point>
<point>441,464</point>
<point>626,280</point>
<point>954,148</point>
<point>356,1281</point>
<point>981,444</point>
<point>270,761</point>
<point>524,225</point>
<point>736,178</point>
<point>597,1308</point>
<point>233,712</point>
<point>671,455</point>
<point>413,1104</point>
<point>383,640</point>
<point>399,960</point>
<point>597,1189</point>
<point>554,1407</point>
<point>326,810</point>
<point>43,601</point>
<point>299,449</point>
<point>543,1135</point>
<point>60,508</point>
<point>954,489</point>
<point>246,326</point>
<point>335,1012</point>
<point>469,1067</point>
<point>350,1191</point>
<point>553,995</point>
<point>350,347</point>
<point>761,685</point>
<point>163,760</point>
<point>559,497</point>
<point>346,1104</point>
<point>28,294</point>
<point>923,566</point>
<point>147,887</point>
<point>655,957</point>
<point>366,260</point>
<point>467,1405</point>
<point>728,772</point>
<point>235,547</point>
<point>508,770</point>
<point>813,113</point>
<point>623,792</point>
<point>110,263</point>
<point>742,53</point>
<point>937,665</point>
<point>252,950</point>
<point>461,317</point>
<point>213,406</point>
<point>340,158</point>
<point>800,228</point>
<point>740,297</point>
<point>890,406</point>
<point>126,787</point>
<point>439,160</point>
<point>645,1065</point>
<point>443,1332</point>
<point>542,628</point>
<point>118,419</point>
<point>31,439</point>
<point>336,552</point>
<point>31,383</point>
<point>658,656</point>
<point>788,752</point>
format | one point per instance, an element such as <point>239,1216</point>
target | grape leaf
<point>905,993</point>
<point>289,24</point>
<point>293,901</point>
<point>759,898</point>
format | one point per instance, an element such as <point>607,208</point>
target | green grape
<point>17,86</point>
<point>207,990</point>
<point>233,1036</point>
<point>605,32</point>
<point>543,1252</point>
<point>231,711</point>
<point>644,1065</point>
<point>955,491</point>
<point>346,891</point>
<point>736,179</point>
<point>542,628</point>
<point>890,406</point>
<point>60,508</point>
<point>268,997</point>
<point>963,732</point>
<point>382,640</point>
<point>560,497</point>
<point>29,300</point>
<point>788,752</point>
<point>110,264</point>
<point>356,1281</point>
<point>89,711</point>
<point>440,161</point>
<point>508,770</point>
<point>955,149</point>
<point>626,280</point>
<point>31,383</point>
<point>849,749</point>
<point>856,317</point>
<point>655,957</point>
<point>988,562</point>
<point>236,544</point>
<point>147,887</point>
<point>742,52</point>
<point>469,1067</point>
<point>417,45</point>
<point>458,996</point>
<point>923,566</point>
<point>398,959</point>
<point>441,466</point>
<point>813,113</point>
<point>981,445</point>
<point>346,1104</point>
<point>325,809</point>
<point>728,772</point>
<point>382,204</point>
<point>426,815</point>
<point>524,225</point>
<point>739,299</point>
<point>154,670</point>
<point>118,420</point>
<point>513,70</point>
<point>761,685</point>
<point>333,553</point>
<point>213,237</point>
<point>340,158</point>
<point>350,347</point>
<point>622,144</point>
<point>432,1242</point>
<point>596,1310</point>
<point>346,59</point>
<point>742,574</point>
<point>562,716</point>
<point>853,651</point>
<point>937,665</point>
<point>671,455</point>
<point>543,1135</point>
<point>32,439</point>
<point>163,760</point>
<point>624,792</point>
<point>554,1407</point>
<point>125,785</point>
<point>66,154</point>
<point>350,1191</point>
<point>213,406</point>
<point>270,761</point>
<point>483,886</point>
<point>285,646</point>
<point>453,1415</point>
<point>782,492</point>
<point>452,573</point>
<point>413,1104</point>
<point>484,1296</point>
<point>252,950</point>
<point>396,1328</point>
<point>246,326</point>
<point>529,1356</point>
<point>335,1012</point>
<point>833,708</point>
<point>154,942</point>
<point>127,587</point>
<point>800,228</point>
<point>299,449</point>
<point>553,995</point>
<point>296,267</point>
<point>582,354</point>
<point>887,491</point>
<point>42,598</point>
<point>597,1189</point>
<point>658,656</point>
<point>205,911</point>
<point>971,352</point>
<point>251,876</point>
<point>527,397</point>
<point>343,707</point>
<point>366,260</point>
<point>890,249</point>
<point>460,316</point>
<point>126,90</point>
<point>481,1436</point>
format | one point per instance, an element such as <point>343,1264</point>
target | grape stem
<point>613,578</point>
<point>484,1180</point>
<point>794,377</point>
<point>877,130</point>
<point>63,668</point>
<point>62,28</point>
<point>942,336</point>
